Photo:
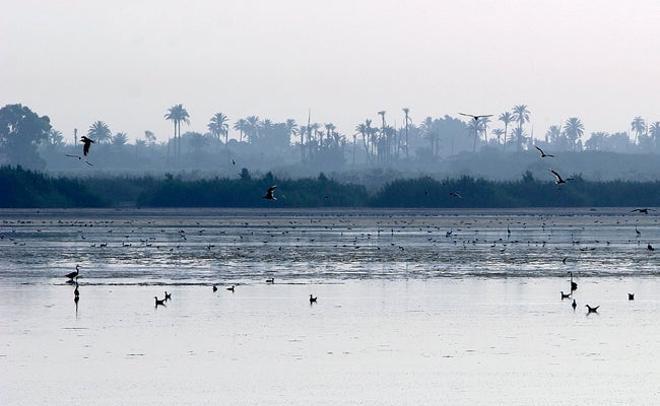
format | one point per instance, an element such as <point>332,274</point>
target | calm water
<point>407,314</point>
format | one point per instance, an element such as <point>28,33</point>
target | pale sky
<point>125,62</point>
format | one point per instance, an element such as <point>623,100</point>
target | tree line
<point>20,188</point>
<point>30,140</point>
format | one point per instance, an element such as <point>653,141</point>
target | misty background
<point>312,77</point>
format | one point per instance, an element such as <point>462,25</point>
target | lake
<point>414,307</point>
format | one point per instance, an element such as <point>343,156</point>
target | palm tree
<point>218,125</point>
<point>241,126</point>
<point>177,114</point>
<point>654,130</point>
<point>382,130</point>
<point>252,128</point>
<point>521,116</point>
<point>506,118</point>
<point>406,112</point>
<point>99,131</point>
<point>428,128</point>
<point>120,139</point>
<point>498,132</point>
<point>638,126</point>
<point>553,135</point>
<point>573,128</point>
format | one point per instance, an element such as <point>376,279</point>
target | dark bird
<point>168,296</point>
<point>565,295</point>
<point>312,299</point>
<point>456,195</point>
<point>563,261</point>
<point>87,143</point>
<point>639,233</point>
<point>650,247</point>
<point>574,304</point>
<point>592,309</point>
<point>270,280</point>
<point>574,285</point>
<point>159,302</point>
<point>74,274</point>
<point>215,288</point>
<point>476,118</point>
<point>631,296</point>
<point>269,193</point>
<point>642,211</point>
<point>231,288</point>
<point>233,162</point>
<point>543,154</point>
<point>558,179</point>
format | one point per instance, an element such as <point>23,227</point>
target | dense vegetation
<point>24,188</point>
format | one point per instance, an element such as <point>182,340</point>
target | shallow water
<point>405,316</point>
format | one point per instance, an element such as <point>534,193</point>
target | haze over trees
<point>383,146</point>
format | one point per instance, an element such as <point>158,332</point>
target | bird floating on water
<point>631,296</point>
<point>312,299</point>
<point>231,288</point>
<point>650,247</point>
<point>159,302</point>
<point>592,309</point>
<point>215,288</point>
<point>168,296</point>
<point>565,295</point>
<point>543,154</point>
<point>270,280</point>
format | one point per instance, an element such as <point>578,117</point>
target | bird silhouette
<point>558,179</point>
<point>270,280</point>
<point>87,143</point>
<point>476,117</point>
<point>231,288</point>
<point>168,296</point>
<point>215,288</point>
<point>312,299</point>
<point>650,247</point>
<point>269,193</point>
<point>159,302</point>
<point>574,305</point>
<point>565,295</point>
<point>642,211</point>
<point>543,154</point>
<point>592,309</point>
<point>631,296</point>
<point>74,274</point>
<point>456,195</point>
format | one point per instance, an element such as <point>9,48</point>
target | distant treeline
<point>24,188</point>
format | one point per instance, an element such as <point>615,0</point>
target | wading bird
<point>74,274</point>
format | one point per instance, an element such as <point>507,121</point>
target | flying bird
<point>87,142</point>
<point>558,179</point>
<point>543,154</point>
<point>642,211</point>
<point>476,117</point>
<point>456,195</point>
<point>269,193</point>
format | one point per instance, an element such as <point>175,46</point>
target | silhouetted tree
<point>574,130</point>
<point>219,126</point>
<point>177,114</point>
<point>521,116</point>
<point>21,130</point>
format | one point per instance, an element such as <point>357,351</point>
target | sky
<point>125,62</point>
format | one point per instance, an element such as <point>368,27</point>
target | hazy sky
<point>125,62</point>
